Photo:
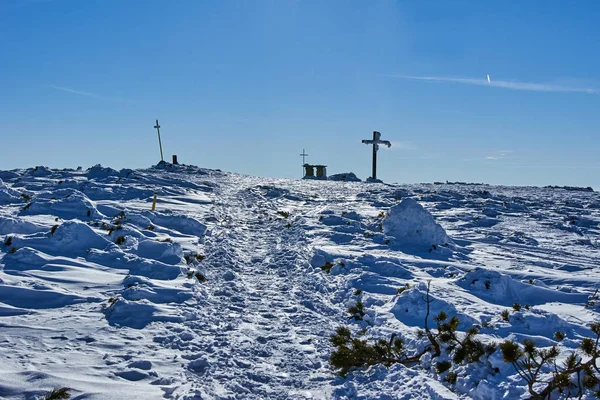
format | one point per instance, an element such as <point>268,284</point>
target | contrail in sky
<point>88,94</point>
<point>514,85</point>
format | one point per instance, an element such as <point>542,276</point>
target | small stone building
<point>309,171</point>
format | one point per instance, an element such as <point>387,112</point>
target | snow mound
<point>167,252</point>
<point>408,223</point>
<point>384,267</point>
<point>501,289</point>
<point>8,195</point>
<point>39,297</point>
<point>411,309</point>
<point>181,223</point>
<point>139,287</point>
<point>272,191</point>
<point>9,225</point>
<point>63,203</point>
<point>40,171</point>
<point>74,237</point>
<point>24,258</point>
<point>373,180</point>
<point>137,314</point>
<point>168,166</point>
<point>345,177</point>
<point>100,172</point>
<point>8,175</point>
<point>70,239</point>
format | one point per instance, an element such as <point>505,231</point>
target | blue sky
<point>244,86</point>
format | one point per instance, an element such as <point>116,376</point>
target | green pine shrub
<point>8,241</point>
<point>575,377</point>
<point>357,311</point>
<point>327,267</point>
<point>353,353</point>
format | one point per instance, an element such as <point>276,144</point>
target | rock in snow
<point>409,224</point>
<point>345,177</point>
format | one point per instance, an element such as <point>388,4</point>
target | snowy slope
<point>219,293</point>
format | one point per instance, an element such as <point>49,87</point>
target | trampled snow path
<point>130,320</point>
<point>259,336</point>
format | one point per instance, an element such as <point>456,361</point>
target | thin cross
<point>304,155</point>
<point>157,127</point>
<point>376,142</point>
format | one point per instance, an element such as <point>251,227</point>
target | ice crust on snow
<point>409,224</point>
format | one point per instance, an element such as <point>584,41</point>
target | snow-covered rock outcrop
<point>409,224</point>
<point>345,177</point>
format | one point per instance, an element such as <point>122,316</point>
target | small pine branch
<point>58,394</point>
<point>357,311</point>
<point>352,353</point>
<point>8,241</point>
<point>530,362</point>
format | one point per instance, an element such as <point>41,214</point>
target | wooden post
<point>154,203</point>
<point>175,159</point>
<point>375,146</point>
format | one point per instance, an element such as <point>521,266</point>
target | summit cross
<point>376,142</point>
<point>157,127</point>
<point>304,155</point>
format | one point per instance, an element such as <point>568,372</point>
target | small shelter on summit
<point>309,171</point>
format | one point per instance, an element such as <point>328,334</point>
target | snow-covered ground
<point>220,292</point>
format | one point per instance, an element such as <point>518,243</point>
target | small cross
<point>303,156</point>
<point>157,127</point>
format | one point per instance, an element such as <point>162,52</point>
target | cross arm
<point>386,142</point>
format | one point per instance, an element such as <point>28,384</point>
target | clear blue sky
<point>244,86</point>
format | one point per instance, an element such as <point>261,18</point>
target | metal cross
<point>304,155</point>
<point>376,142</point>
<point>157,127</point>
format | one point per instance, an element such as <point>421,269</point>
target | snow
<point>233,286</point>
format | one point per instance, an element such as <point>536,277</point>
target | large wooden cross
<point>376,142</point>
